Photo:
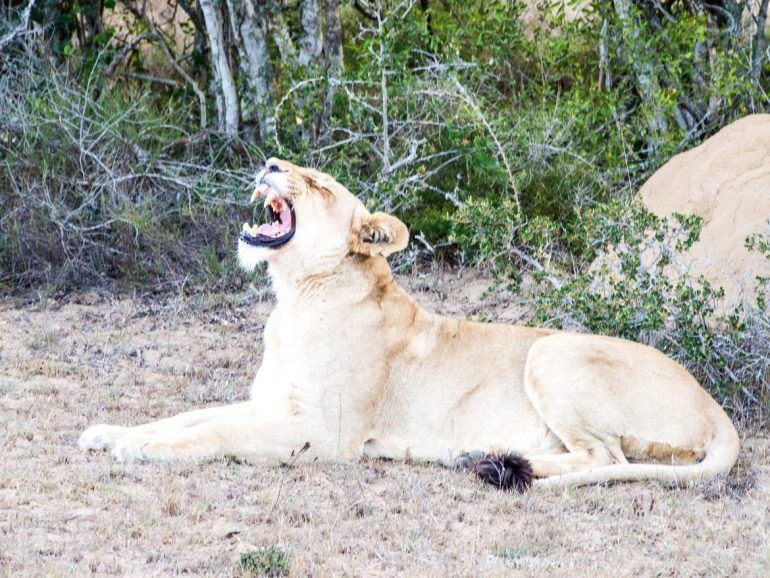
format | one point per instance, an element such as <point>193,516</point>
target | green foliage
<point>629,290</point>
<point>636,290</point>
<point>760,242</point>
<point>556,120</point>
<point>264,561</point>
<point>494,132</point>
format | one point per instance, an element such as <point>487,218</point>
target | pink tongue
<point>279,228</point>
<point>269,230</point>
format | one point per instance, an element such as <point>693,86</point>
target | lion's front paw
<point>101,437</point>
<point>141,448</point>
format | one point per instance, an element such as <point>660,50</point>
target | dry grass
<point>67,365</point>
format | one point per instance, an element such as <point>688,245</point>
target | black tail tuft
<point>505,471</point>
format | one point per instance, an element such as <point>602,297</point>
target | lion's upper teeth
<point>246,228</point>
<point>271,196</point>
<point>260,189</point>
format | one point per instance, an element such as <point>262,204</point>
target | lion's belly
<point>496,421</point>
<point>446,439</point>
<point>466,394</point>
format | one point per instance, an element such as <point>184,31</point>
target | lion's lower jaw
<point>249,257</point>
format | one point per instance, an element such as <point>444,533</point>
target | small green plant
<point>512,552</point>
<point>264,561</point>
<point>760,242</point>
<point>42,340</point>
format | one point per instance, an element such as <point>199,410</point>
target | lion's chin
<point>250,256</point>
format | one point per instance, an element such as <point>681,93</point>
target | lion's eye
<point>273,169</point>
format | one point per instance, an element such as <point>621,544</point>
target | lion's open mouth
<point>280,226</point>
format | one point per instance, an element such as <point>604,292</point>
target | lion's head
<point>313,222</point>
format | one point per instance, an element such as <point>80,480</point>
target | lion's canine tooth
<point>246,228</point>
<point>259,190</point>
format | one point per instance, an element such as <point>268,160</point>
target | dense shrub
<point>101,183</point>
<point>442,111</point>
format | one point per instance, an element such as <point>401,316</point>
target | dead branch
<point>22,26</point>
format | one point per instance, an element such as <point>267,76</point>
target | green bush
<point>545,120</point>
<point>486,134</point>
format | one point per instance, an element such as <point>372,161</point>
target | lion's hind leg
<point>610,401</point>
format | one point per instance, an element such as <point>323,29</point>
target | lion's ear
<point>377,234</point>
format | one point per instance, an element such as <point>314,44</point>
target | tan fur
<point>353,366</point>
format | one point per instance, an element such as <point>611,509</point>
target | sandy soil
<point>65,365</point>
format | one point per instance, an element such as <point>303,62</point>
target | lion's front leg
<point>274,440</point>
<point>105,436</point>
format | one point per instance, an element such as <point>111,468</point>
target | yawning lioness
<point>354,367</point>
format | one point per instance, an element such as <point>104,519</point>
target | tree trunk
<point>226,96</point>
<point>248,25</point>
<point>334,59</point>
<point>333,42</point>
<point>642,64</point>
<point>310,39</point>
<point>193,11</point>
<point>282,38</point>
<point>759,37</point>
<point>310,55</point>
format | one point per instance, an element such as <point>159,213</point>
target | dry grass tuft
<point>736,485</point>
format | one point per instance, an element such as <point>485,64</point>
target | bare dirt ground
<point>65,365</point>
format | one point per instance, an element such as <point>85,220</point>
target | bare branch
<point>227,100</point>
<point>8,38</point>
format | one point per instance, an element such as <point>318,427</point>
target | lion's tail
<point>721,455</point>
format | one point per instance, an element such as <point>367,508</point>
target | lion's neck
<point>354,280</point>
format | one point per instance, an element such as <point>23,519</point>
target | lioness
<point>354,367</point>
